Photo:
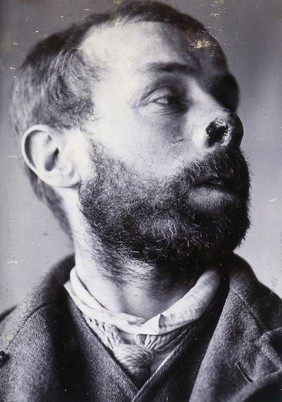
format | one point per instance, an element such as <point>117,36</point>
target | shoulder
<point>251,324</point>
<point>42,299</point>
<point>260,303</point>
<point>243,361</point>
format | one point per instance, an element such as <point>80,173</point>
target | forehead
<point>131,55</point>
<point>139,45</point>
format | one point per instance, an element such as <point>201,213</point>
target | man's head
<point>134,113</point>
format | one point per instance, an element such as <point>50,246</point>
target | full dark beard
<point>163,223</point>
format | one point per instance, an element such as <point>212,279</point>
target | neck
<point>141,292</point>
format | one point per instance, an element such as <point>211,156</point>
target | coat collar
<point>44,293</point>
<point>244,354</point>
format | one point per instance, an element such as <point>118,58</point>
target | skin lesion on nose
<point>216,132</point>
<point>225,132</point>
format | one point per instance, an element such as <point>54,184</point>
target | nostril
<point>228,132</point>
<point>216,131</point>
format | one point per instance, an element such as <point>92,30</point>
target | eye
<point>169,100</point>
<point>164,100</point>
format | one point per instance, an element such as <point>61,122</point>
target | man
<point>129,132</point>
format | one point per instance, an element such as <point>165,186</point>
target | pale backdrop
<point>249,31</point>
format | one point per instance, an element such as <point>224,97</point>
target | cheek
<point>158,148</point>
<point>152,147</point>
<point>78,150</point>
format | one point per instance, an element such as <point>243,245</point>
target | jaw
<point>170,230</point>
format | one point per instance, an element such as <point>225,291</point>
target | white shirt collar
<point>187,309</point>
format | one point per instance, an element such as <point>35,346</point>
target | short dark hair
<point>53,84</point>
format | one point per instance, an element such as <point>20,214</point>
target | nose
<point>225,131</point>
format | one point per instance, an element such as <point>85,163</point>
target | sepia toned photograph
<point>141,207</point>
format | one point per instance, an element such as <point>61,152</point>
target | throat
<point>142,292</point>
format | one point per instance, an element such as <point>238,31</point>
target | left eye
<point>166,100</point>
<point>171,101</point>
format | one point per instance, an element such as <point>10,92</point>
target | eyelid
<point>164,91</point>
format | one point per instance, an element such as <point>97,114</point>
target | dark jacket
<point>233,353</point>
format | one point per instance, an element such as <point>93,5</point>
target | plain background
<point>250,33</point>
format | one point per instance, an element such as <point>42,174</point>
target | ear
<point>43,152</point>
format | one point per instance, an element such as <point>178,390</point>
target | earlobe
<point>43,152</point>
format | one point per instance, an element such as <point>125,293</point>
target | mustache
<point>229,167</point>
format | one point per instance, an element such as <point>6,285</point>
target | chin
<point>186,243</point>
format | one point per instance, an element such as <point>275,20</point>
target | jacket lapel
<point>49,353</point>
<point>29,372</point>
<point>28,341</point>
<point>244,356</point>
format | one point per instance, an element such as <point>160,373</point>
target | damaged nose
<point>227,132</point>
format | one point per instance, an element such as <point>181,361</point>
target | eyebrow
<point>171,67</point>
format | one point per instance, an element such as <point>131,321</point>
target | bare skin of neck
<point>140,296</point>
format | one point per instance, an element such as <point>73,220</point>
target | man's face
<point>159,186</point>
